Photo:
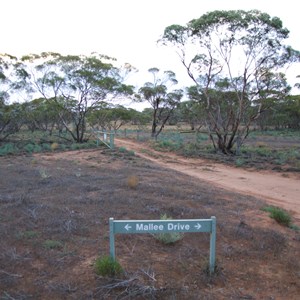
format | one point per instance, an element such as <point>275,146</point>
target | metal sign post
<point>163,226</point>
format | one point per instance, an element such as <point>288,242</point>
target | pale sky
<point>124,29</point>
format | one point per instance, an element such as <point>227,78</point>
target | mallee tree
<point>235,59</point>
<point>162,98</point>
<point>77,84</point>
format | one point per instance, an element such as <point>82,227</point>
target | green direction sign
<point>163,226</point>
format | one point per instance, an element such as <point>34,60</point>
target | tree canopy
<point>235,59</point>
<point>161,97</point>
<point>77,84</point>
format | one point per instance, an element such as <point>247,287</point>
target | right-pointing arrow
<point>198,226</point>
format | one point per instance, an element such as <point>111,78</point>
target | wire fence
<point>172,135</point>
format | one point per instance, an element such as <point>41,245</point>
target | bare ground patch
<point>54,212</point>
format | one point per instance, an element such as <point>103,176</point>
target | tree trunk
<point>154,124</point>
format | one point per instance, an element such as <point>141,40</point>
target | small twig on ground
<point>131,287</point>
<point>11,274</point>
<point>149,273</point>
<point>119,284</point>
<point>132,248</point>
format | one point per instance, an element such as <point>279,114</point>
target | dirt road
<point>278,189</point>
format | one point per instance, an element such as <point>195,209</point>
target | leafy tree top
<point>237,19</point>
<point>245,46</point>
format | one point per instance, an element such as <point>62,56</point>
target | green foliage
<point>29,148</point>
<point>46,147</point>
<point>276,149</point>
<point>228,101</point>
<point>29,234</point>
<point>279,215</point>
<point>191,149</point>
<point>282,114</point>
<point>131,153</point>
<point>86,145</point>
<point>295,227</point>
<point>162,100</point>
<point>40,141</point>
<point>239,162</point>
<point>263,151</point>
<point>201,137</point>
<point>188,144</point>
<point>75,146</point>
<point>52,244</point>
<point>275,156</point>
<point>32,148</point>
<point>287,133</point>
<point>166,145</point>
<point>123,149</point>
<point>8,148</point>
<point>106,266</point>
<point>11,118</point>
<point>111,117</point>
<point>168,237</point>
<point>75,84</point>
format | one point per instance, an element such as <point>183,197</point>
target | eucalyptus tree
<point>5,83</point>
<point>11,119</point>
<point>235,59</point>
<point>193,111</point>
<point>292,111</point>
<point>110,117</point>
<point>4,118</point>
<point>42,114</point>
<point>77,84</point>
<point>10,114</point>
<point>161,97</point>
<point>139,118</point>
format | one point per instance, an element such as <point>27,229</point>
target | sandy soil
<point>278,189</point>
<point>54,212</point>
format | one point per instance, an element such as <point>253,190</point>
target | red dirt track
<point>276,188</point>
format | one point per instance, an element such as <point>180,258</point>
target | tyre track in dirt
<point>277,189</point>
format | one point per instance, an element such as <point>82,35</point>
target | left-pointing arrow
<point>127,227</point>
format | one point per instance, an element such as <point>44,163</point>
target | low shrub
<point>131,153</point>
<point>122,149</point>
<point>54,146</point>
<point>63,147</point>
<point>75,146</point>
<point>29,234</point>
<point>132,181</point>
<point>8,148</point>
<point>190,149</point>
<point>43,173</point>
<point>30,148</point>
<point>46,147</point>
<point>279,215</point>
<point>52,244</point>
<point>165,145</point>
<point>239,162</point>
<point>127,152</point>
<point>168,237</point>
<point>107,266</point>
